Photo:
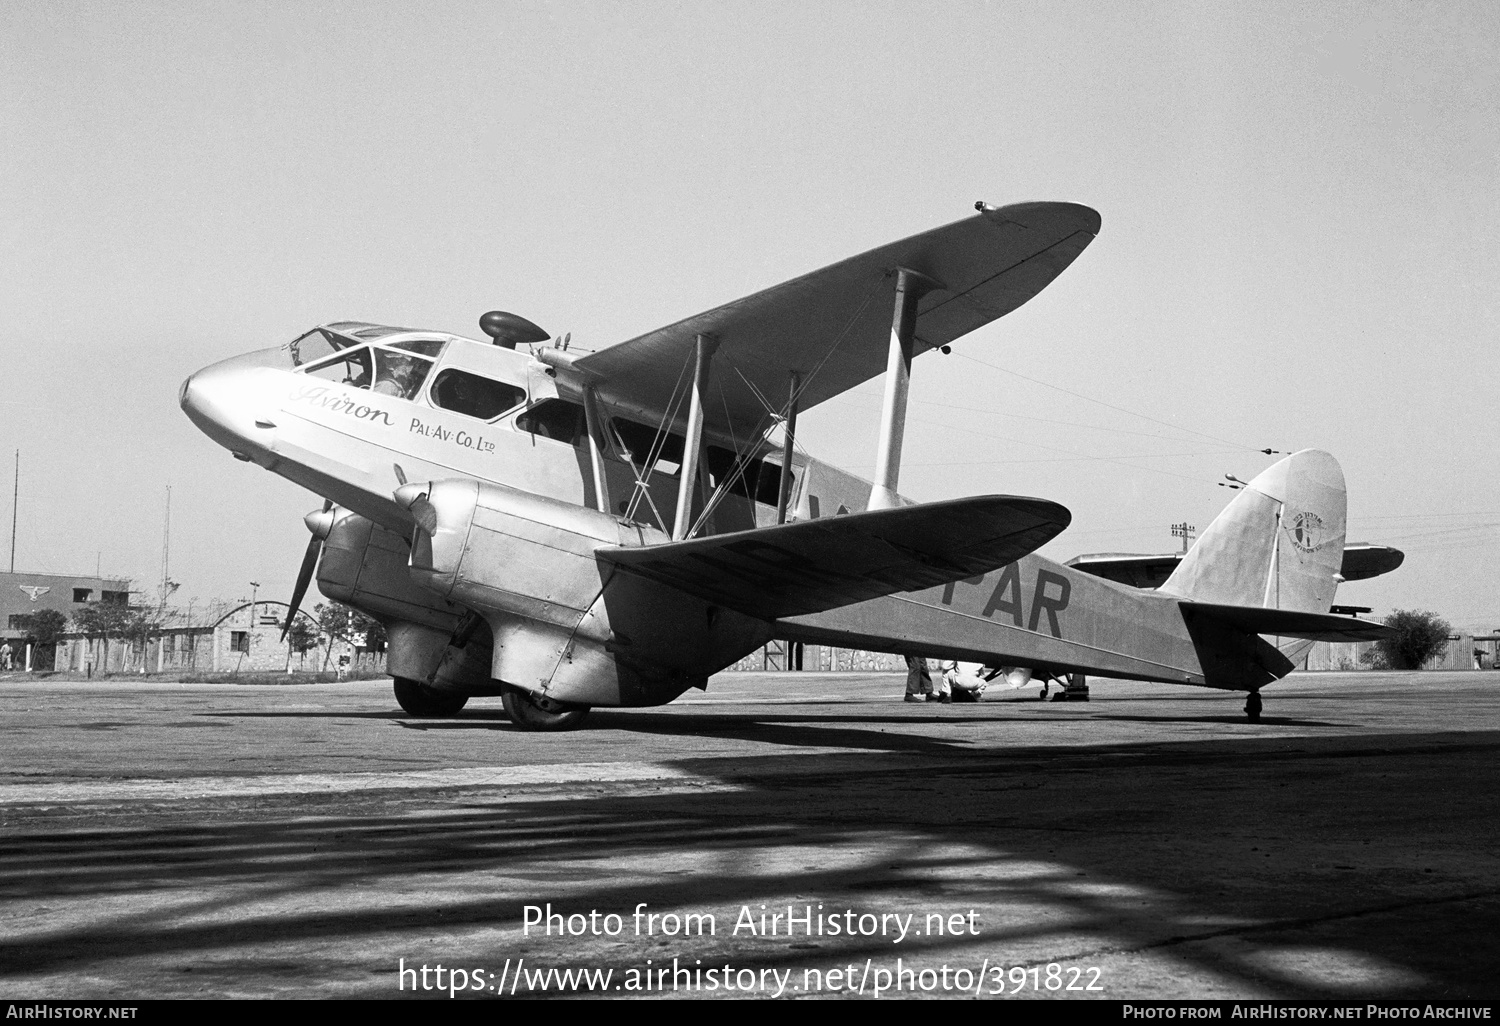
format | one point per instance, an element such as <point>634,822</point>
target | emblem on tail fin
<point>1307,532</point>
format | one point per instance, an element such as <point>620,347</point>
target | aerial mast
<point>14,499</point>
<point>166,544</point>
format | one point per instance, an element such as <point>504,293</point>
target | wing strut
<point>595,419</point>
<point>910,287</point>
<point>694,441</point>
<point>789,429</point>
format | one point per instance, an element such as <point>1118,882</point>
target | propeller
<point>319,524</point>
<point>414,498</point>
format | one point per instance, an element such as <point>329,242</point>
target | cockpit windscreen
<point>398,371</point>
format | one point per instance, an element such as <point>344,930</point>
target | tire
<point>538,712</point>
<point>420,700</point>
<point>1252,706</point>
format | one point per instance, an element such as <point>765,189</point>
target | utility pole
<point>14,500</point>
<point>166,547</point>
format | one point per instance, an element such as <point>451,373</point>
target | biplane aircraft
<point>568,530</point>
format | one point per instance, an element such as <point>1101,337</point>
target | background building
<point>247,637</point>
<point>24,594</point>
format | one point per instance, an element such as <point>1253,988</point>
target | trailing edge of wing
<point>1289,623</point>
<point>812,565</point>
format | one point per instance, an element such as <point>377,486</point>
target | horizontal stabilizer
<point>1288,623</point>
<point>1362,561</point>
<point>812,565</point>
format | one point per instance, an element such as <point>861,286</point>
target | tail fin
<point>1278,545</point>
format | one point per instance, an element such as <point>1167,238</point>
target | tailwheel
<point>530,711</point>
<point>420,700</point>
<point>1252,706</point>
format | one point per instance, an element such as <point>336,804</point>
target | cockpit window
<point>473,395</point>
<point>373,331</point>
<point>316,345</point>
<point>381,370</point>
<point>352,368</point>
<point>424,347</point>
<point>398,374</point>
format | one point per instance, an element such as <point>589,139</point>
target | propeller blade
<point>425,514</point>
<point>304,576</point>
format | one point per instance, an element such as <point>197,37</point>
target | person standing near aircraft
<point>918,679</point>
<point>7,657</point>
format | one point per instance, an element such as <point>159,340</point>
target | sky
<point>1300,242</point>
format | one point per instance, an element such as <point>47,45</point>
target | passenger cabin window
<point>474,396</point>
<point>557,419</point>
<point>752,478</point>
<point>643,442</point>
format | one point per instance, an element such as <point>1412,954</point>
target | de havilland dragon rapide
<point>571,530</point>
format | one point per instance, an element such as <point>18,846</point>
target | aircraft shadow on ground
<point>882,730</point>
<point>1237,866</point>
<point>710,724</point>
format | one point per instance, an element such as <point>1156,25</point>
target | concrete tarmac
<point>788,835</point>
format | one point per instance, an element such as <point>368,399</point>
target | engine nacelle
<point>565,623</point>
<point>365,566</point>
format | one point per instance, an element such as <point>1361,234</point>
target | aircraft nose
<point>228,402</point>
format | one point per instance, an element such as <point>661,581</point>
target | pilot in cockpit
<point>399,375</point>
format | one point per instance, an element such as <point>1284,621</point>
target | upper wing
<point>833,326</point>
<point>1361,560</point>
<point>811,565</point>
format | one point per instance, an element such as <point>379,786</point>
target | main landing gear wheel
<point>538,712</point>
<point>420,700</point>
<point>1252,706</point>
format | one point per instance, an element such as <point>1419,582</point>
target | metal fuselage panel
<point>1032,612</point>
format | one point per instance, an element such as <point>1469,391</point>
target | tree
<point>141,625</point>
<point>302,636</point>
<point>101,620</point>
<point>44,626</point>
<point>342,623</point>
<point>1419,637</point>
